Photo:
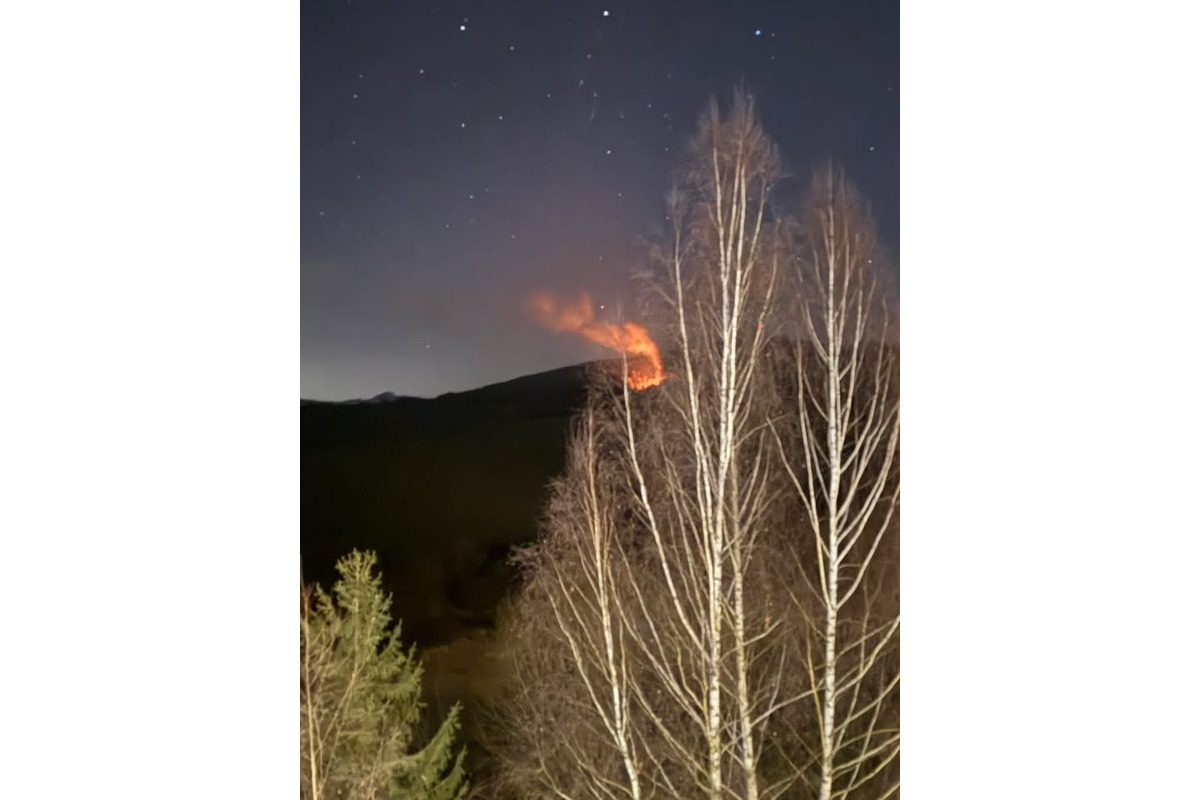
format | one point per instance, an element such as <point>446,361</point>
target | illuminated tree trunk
<point>726,211</point>
<point>598,661</point>
<point>848,487</point>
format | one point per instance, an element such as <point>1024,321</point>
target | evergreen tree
<point>360,700</point>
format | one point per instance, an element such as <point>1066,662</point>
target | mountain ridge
<point>571,371</point>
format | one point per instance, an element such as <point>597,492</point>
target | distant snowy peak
<point>384,397</point>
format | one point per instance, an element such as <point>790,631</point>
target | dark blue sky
<point>446,173</point>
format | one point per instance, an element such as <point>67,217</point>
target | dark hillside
<point>438,488</point>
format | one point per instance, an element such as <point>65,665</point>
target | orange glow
<point>645,366</point>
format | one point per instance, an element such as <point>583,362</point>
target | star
<point>462,124</point>
<point>462,27</point>
<point>500,117</point>
<point>356,95</point>
<point>606,13</point>
<point>758,32</point>
<point>421,71</point>
<point>608,152</point>
<point>871,148</point>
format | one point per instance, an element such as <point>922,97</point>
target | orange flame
<point>645,369</point>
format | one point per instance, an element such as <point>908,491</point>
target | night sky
<point>457,156</point>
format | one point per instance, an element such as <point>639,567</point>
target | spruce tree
<point>360,700</point>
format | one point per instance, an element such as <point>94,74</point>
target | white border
<point>149,333</point>
<point>1049,172</point>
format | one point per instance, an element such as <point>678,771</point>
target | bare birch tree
<point>721,270</point>
<point>568,729</point>
<point>676,636</point>
<point>647,579</point>
<point>840,454</point>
